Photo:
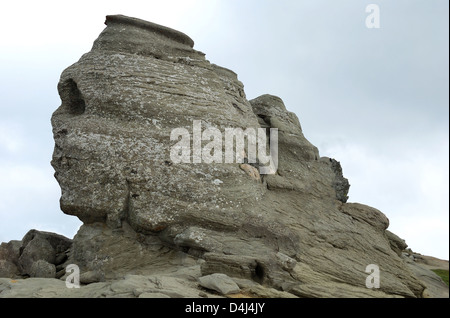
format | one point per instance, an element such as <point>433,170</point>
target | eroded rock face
<point>120,103</point>
<point>291,230</point>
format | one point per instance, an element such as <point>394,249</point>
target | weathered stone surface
<point>397,244</point>
<point>435,286</point>
<point>221,283</point>
<point>18,258</point>
<point>58,242</point>
<point>422,266</point>
<point>130,286</point>
<point>9,259</point>
<point>10,251</point>
<point>35,250</point>
<point>41,268</point>
<point>51,248</point>
<point>154,226</point>
<point>90,277</point>
<point>8,269</point>
<point>103,253</point>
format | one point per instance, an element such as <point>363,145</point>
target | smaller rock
<point>59,242</point>
<point>90,277</point>
<point>397,244</point>
<point>10,251</point>
<point>42,269</point>
<point>8,269</point>
<point>221,283</point>
<point>37,249</point>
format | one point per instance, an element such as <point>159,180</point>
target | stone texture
<point>22,258</point>
<point>8,269</point>
<point>397,244</point>
<point>221,283</point>
<point>435,286</point>
<point>41,268</point>
<point>9,259</point>
<point>103,253</point>
<point>155,227</point>
<point>36,249</point>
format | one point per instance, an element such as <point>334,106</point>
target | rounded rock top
<point>172,34</point>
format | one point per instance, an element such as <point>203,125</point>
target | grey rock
<point>9,259</point>
<point>38,245</point>
<point>10,251</point>
<point>58,242</point>
<point>340,184</point>
<point>244,283</point>
<point>104,254</point>
<point>41,268</point>
<point>90,277</point>
<point>36,249</point>
<point>129,286</point>
<point>221,283</point>
<point>397,244</point>
<point>8,269</point>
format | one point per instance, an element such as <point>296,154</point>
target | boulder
<point>58,242</point>
<point>9,259</point>
<point>48,247</point>
<point>221,283</point>
<point>8,269</point>
<point>36,249</point>
<point>397,244</point>
<point>41,268</point>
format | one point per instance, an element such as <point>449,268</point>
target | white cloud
<point>10,140</point>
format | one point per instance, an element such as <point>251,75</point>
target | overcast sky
<point>376,100</point>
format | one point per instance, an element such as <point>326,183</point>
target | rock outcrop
<point>38,254</point>
<point>286,233</point>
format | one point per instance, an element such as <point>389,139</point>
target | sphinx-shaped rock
<point>291,230</point>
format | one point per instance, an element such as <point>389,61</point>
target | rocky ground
<point>183,280</point>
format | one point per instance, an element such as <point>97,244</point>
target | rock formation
<point>38,254</point>
<point>147,218</point>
